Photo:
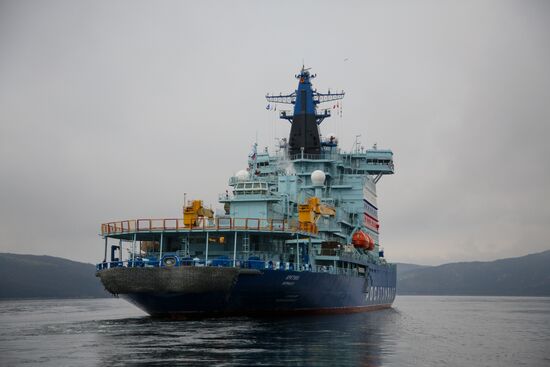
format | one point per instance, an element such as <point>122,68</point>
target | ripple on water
<point>428,331</point>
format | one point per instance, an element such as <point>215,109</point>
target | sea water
<point>417,331</point>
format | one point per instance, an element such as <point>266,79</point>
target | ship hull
<point>269,292</point>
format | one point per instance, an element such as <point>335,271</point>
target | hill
<point>30,276</point>
<point>520,276</point>
<point>403,268</point>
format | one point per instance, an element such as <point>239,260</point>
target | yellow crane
<point>193,212</point>
<point>309,214</point>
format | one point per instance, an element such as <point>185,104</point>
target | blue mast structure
<point>304,133</point>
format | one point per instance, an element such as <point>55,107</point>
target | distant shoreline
<point>399,295</point>
<point>32,277</point>
<point>51,298</point>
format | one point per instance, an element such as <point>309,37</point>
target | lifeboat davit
<point>362,240</point>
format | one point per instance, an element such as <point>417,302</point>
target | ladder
<point>246,243</point>
<point>185,247</point>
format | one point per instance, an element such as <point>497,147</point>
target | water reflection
<point>355,339</point>
<point>419,331</point>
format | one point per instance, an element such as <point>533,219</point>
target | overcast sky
<point>114,109</point>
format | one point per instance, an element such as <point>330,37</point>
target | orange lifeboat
<point>362,240</point>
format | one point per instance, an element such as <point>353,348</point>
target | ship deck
<point>143,228</point>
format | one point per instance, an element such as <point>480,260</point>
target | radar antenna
<point>304,133</point>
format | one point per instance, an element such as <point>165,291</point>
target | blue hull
<point>273,291</point>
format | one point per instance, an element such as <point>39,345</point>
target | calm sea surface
<point>418,331</point>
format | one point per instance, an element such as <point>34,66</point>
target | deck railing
<point>228,263</point>
<point>309,156</point>
<point>176,224</point>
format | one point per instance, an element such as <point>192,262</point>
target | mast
<point>304,132</point>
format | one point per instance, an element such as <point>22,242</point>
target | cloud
<point>115,110</point>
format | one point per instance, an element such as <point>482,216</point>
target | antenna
<point>304,115</point>
<point>356,144</point>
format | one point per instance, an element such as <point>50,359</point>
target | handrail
<point>319,156</point>
<point>226,263</point>
<point>177,224</point>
